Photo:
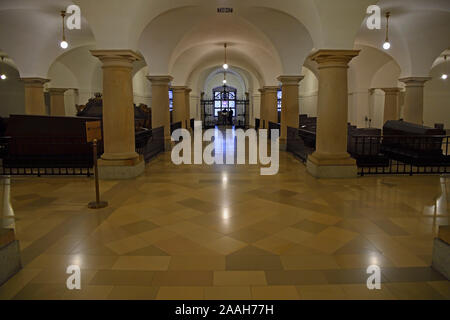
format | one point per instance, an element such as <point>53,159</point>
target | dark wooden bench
<point>47,142</point>
<point>414,144</point>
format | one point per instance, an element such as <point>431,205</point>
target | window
<point>171,100</point>
<point>224,98</point>
<point>279,99</point>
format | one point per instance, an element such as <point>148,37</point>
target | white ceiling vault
<point>184,38</point>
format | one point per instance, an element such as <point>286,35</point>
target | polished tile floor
<point>225,232</point>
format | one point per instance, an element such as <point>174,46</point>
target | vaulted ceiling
<point>267,38</point>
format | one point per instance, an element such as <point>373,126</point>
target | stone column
<point>34,96</point>
<point>262,109</point>
<point>160,106</point>
<point>331,160</point>
<point>187,95</point>
<point>391,104</point>
<point>413,108</point>
<point>120,160</point>
<point>289,104</point>
<point>57,105</point>
<point>179,105</point>
<point>271,105</point>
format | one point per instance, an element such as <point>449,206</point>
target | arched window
<point>224,98</point>
<point>279,97</point>
<point>171,100</point>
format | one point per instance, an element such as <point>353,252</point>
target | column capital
<point>160,80</point>
<point>188,90</point>
<point>414,81</point>
<point>333,58</point>
<point>290,80</point>
<point>57,91</point>
<point>271,89</point>
<point>179,88</point>
<point>117,58</point>
<point>262,91</point>
<point>372,91</point>
<point>34,82</point>
<point>392,91</point>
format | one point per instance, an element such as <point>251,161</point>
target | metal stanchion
<point>97,204</point>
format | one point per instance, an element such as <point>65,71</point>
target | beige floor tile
<point>275,293</point>
<point>133,293</point>
<point>127,245</point>
<point>239,278</point>
<point>361,292</point>
<point>88,293</point>
<point>293,235</point>
<point>9,289</point>
<point>309,262</point>
<point>414,291</point>
<point>228,293</point>
<point>322,292</point>
<point>214,263</point>
<point>149,263</point>
<point>181,293</point>
<point>349,261</point>
<point>225,245</point>
<point>181,278</point>
<point>274,244</point>
<point>443,287</point>
<point>156,235</point>
<point>180,246</point>
<point>324,244</point>
<point>338,234</point>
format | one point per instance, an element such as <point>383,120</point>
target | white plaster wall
<point>142,88</point>
<point>437,97</point>
<point>308,91</point>
<point>12,92</point>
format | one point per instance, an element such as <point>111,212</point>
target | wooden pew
<point>48,142</point>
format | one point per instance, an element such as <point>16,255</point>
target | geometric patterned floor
<point>225,232</point>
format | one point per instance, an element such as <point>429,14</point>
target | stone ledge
<point>331,171</point>
<point>10,262</point>
<point>121,172</point>
<point>6,237</point>
<point>441,257</point>
<point>444,234</point>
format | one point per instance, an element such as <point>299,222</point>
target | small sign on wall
<point>224,10</point>
<point>93,131</point>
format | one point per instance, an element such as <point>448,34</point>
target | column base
<point>341,167</point>
<point>10,262</point>
<point>120,169</point>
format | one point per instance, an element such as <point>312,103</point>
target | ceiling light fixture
<point>387,44</point>
<point>64,44</point>
<point>2,75</point>
<point>444,75</point>
<point>225,65</point>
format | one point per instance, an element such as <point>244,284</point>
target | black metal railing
<point>377,154</point>
<point>46,156</point>
<point>300,142</point>
<point>150,143</point>
<point>65,156</point>
<point>401,154</point>
<point>274,126</point>
<point>175,126</point>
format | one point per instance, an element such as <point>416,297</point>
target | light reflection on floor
<point>225,232</point>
